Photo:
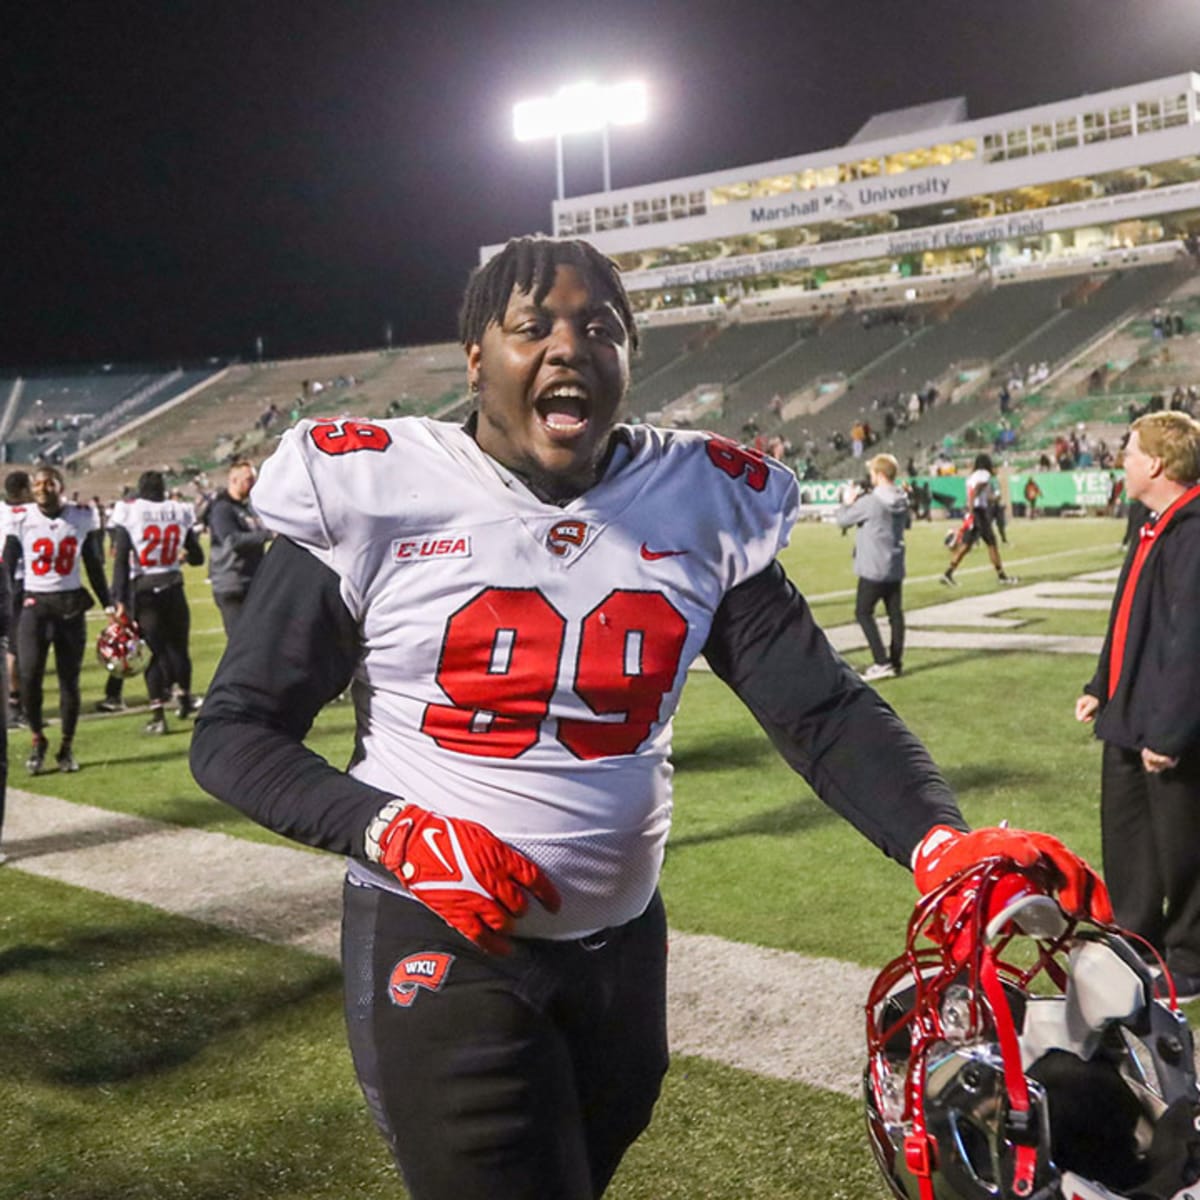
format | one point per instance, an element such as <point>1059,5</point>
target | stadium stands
<point>55,414</point>
<point>802,378</point>
<point>723,356</point>
<point>225,418</point>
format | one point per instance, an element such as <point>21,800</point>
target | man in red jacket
<point>1145,701</point>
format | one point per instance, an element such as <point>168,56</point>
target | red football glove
<point>944,852</point>
<point>464,873</point>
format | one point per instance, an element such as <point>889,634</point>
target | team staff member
<point>516,602</point>
<point>154,536</point>
<point>1145,701</point>
<point>51,539</point>
<point>881,517</point>
<point>238,542</point>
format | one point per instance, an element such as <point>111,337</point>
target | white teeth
<point>566,393</point>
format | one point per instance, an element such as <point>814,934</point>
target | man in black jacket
<point>239,540</point>
<point>1145,701</point>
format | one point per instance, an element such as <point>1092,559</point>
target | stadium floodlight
<point>580,108</point>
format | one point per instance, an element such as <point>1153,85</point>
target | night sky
<point>182,176</point>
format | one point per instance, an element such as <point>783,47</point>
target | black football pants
<point>518,1078</point>
<point>870,593</point>
<point>165,622</point>
<point>1150,828</point>
<point>38,629</point>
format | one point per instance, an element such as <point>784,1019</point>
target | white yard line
<point>769,1011</point>
<point>778,1014</point>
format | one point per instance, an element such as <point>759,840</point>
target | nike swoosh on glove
<point>475,882</point>
<point>945,851</point>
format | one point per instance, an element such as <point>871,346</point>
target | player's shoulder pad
<point>740,503</point>
<point>731,473</point>
<point>327,473</point>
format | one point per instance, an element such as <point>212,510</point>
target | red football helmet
<point>1017,1052</point>
<point>120,648</point>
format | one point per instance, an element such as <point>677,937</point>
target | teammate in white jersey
<point>516,603</point>
<point>17,498</point>
<point>981,499</point>
<point>51,539</point>
<point>152,538</point>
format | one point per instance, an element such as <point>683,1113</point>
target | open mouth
<point>564,409</point>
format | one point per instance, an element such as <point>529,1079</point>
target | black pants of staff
<point>166,622</point>
<point>229,605</point>
<point>1150,828</point>
<point>870,593</point>
<point>515,1078</point>
<point>55,620</point>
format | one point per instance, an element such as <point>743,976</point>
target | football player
<point>17,498</point>
<point>153,538</point>
<point>516,602</point>
<point>51,538</point>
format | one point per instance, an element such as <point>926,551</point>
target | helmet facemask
<point>1014,1051</point>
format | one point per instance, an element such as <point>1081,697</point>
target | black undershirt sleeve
<point>12,555</point>
<point>92,554</point>
<point>193,552</point>
<point>121,546</point>
<point>847,742</point>
<point>293,650</point>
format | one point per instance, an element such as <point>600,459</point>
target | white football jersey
<point>157,529</point>
<point>979,488</point>
<point>523,661</point>
<point>9,515</point>
<point>116,514</point>
<point>51,546</point>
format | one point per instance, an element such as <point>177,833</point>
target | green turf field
<point>144,1056</point>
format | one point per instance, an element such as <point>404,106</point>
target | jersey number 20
<point>500,665</point>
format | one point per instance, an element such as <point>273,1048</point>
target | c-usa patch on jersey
<point>426,547</point>
<point>427,969</point>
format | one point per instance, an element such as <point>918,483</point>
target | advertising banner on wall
<point>1060,489</point>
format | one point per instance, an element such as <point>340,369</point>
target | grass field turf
<point>145,1056</point>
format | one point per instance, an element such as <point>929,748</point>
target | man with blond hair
<point>881,517</point>
<point>1145,701</point>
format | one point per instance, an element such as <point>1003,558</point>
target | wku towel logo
<point>425,970</point>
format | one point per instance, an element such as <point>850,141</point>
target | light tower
<point>580,108</point>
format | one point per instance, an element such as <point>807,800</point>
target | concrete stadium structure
<point>921,201</point>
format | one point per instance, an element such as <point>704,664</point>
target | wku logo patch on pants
<point>427,969</point>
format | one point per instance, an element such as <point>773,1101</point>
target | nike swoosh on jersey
<point>654,555</point>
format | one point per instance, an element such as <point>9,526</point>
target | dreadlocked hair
<point>528,264</point>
